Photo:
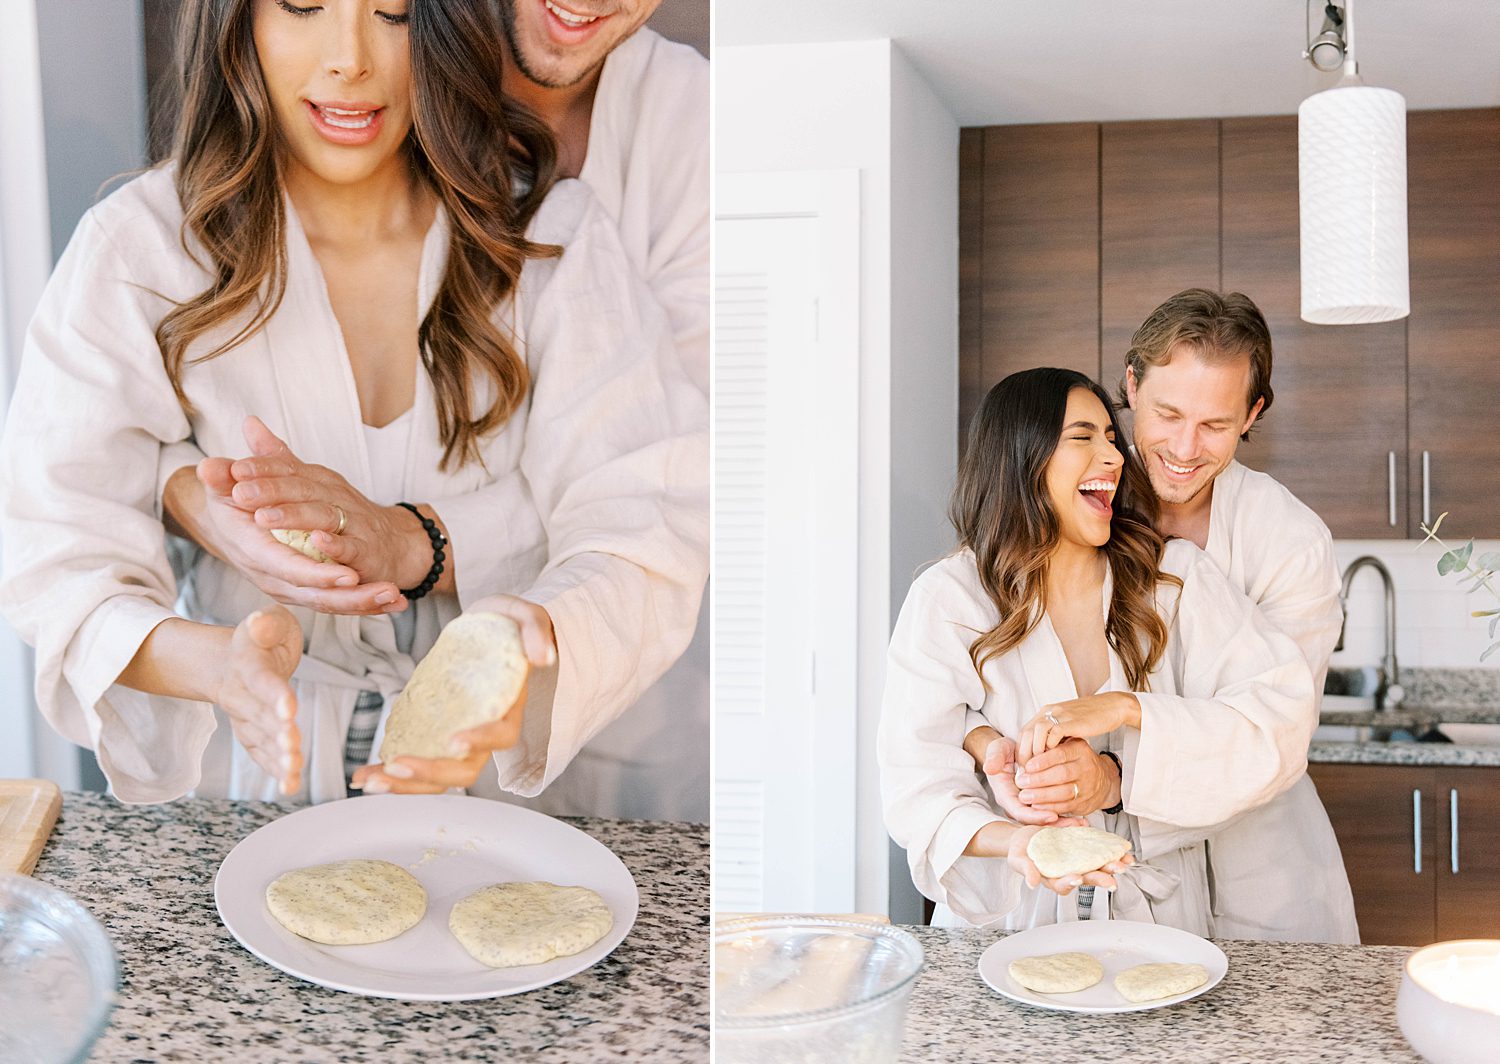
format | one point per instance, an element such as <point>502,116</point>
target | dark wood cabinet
<point>1421,846</point>
<point>1071,234</point>
<point>1453,372</point>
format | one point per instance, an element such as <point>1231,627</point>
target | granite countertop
<point>1463,697</point>
<point>1451,755</point>
<point>190,992</point>
<point>1279,1002</point>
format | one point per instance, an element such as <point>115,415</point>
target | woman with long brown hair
<point>1064,620</point>
<point>356,265</point>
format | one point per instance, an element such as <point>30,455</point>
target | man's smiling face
<point>558,43</point>
<point>1189,415</point>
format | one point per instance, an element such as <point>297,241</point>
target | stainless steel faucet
<point>1389,692</point>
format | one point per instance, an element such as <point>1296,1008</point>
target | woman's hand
<point>201,504</point>
<point>382,545</point>
<point>1000,773</point>
<point>1081,718</point>
<point>257,695</point>
<point>1022,863</point>
<point>1069,778</point>
<point>474,746</point>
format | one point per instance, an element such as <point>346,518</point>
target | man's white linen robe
<point>1217,711</point>
<point>591,500</point>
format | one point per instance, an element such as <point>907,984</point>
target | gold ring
<point>1076,791</point>
<point>343,520</point>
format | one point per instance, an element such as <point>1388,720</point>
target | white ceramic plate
<point>454,845</point>
<point>1116,944</point>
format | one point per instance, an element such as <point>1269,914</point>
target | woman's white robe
<point>592,499</point>
<point>1222,704</point>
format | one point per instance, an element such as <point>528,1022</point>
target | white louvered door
<point>785,467</point>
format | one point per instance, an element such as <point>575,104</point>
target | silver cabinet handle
<point>1427,489</point>
<point>1416,831</point>
<point>1453,828</point>
<point>1390,479</point>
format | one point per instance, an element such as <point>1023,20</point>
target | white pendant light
<point>1351,156</point>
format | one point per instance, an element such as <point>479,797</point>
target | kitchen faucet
<point>1389,690</point>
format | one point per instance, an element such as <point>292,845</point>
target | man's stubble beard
<point>508,24</point>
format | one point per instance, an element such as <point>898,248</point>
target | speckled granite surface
<point>1413,715</point>
<point>191,993</point>
<point>1450,754</point>
<point>1279,1003</point>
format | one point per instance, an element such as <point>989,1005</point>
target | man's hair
<point>1216,328</point>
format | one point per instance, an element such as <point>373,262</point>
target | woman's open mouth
<point>349,124</point>
<point>1098,493</point>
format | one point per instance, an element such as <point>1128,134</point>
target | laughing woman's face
<point>1083,474</point>
<point>339,76</point>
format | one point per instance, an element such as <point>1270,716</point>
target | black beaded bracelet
<point>439,541</point>
<point>1120,769</point>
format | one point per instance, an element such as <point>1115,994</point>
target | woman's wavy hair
<point>469,143</point>
<point>1002,512</point>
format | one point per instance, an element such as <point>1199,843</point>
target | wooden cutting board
<point>28,809</point>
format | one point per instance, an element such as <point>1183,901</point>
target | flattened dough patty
<point>1147,982</point>
<point>347,903</point>
<point>1073,851</point>
<point>511,924</point>
<point>1057,973</point>
<point>299,540</point>
<point>471,676</point>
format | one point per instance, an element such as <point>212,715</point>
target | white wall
<point>1433,626</point>
<point>862,105</point>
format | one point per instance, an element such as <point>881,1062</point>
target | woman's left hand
<point>474,746</point>
<point>1081,718</point>
<point>380,543</point>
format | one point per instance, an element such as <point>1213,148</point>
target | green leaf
<point>1447,563</point>
<point>1463,554</point>
<point>1493,622</point>
<point>1490,561</point>
<point>1493,647</point>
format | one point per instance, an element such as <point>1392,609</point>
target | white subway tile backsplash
<point>1433,625</point>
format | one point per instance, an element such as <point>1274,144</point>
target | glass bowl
<point>58,975</point>
<point>801,989</point>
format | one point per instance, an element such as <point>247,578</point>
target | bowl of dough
<point>58,975</point>
<point>807,989</point>
<point>1449,1002</point>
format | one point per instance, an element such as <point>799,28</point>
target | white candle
<point>1470,981</point>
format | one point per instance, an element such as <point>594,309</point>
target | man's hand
<point>257,695</point>
<point>383,545</point>
<point>1069,778</point>
<point>473,747</point>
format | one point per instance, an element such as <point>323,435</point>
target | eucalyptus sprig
<point>1475,572</point>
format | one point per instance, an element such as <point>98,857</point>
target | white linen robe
<point>591,500</point>
<point>648,164</point>
<point>1227,684</point>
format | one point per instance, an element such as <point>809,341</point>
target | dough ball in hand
<point>471,676</point>
<point>1148,982</point>
<point>1057,973</point>
<point>511,924</point>
<point>1072,851</point>
<point>347,903</point>
<point>300,541</point>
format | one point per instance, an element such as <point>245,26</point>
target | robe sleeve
<point>1301,597</point>
<point>934,800</point>
<point>616,463</point>
<point>1235,733</point>
<point>86,576</point>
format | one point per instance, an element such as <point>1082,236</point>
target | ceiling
<point>997,62</point>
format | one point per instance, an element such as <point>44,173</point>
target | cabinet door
<point>1338,423</point>
<point>1388,844</point>
<point>1468,859</point>
<point>1158,224</point>
<point>1041,249</point>
<point>1453,220</point>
